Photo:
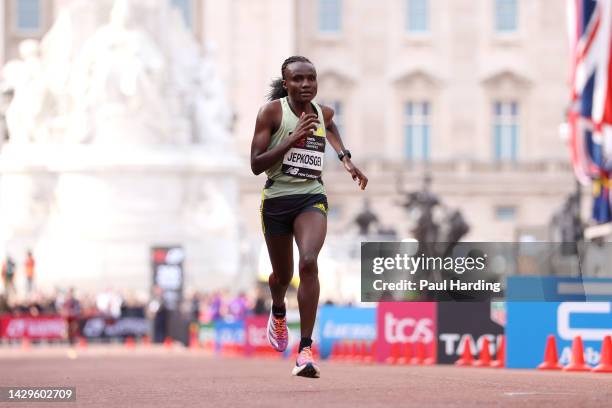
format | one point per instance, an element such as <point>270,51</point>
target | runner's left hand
<point>356,174</point>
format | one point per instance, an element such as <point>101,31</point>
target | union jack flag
<point>590,111</point>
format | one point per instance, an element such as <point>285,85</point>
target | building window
<point>184,6</point>
<point>28,15</point>
<point>505,130</point>
<point>330,16</point>
<point>506,15</point>
<point>330,154</point>
<point>417,130</point>
<point>505,213</point>
<point>417,20</point>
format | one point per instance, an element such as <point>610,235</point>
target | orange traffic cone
<point>168,343</point>
<point>373,354</point>
<point>363,351</point>
<point>430,360</point>
<point>335,352</point>
<point>26,343</point>
<point>82,342</point>
<point>129,342</point>
<point>209,346</point>
<point>500,356</point>
<point>484,359</point>
<point>395,354</point>
<point>551,359</point>
<point>605,359</point>
<point>146,340</point>
<point>194,344</point>
<point>466,358</point>
<point>407,355</point>
<point>355,353</point>
<point>419,354</point>
<point>400,356</point>
<point>346,350</point>
<point>366,350</point>
<point>239,349</point>
<point>577,362</point>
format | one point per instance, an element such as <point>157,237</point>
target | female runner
<point>289,145</point>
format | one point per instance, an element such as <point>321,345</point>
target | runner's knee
<point>308,265</point>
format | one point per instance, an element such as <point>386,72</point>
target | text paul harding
<point>412,264</point>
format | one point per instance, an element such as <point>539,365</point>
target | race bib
<point>305,158</point>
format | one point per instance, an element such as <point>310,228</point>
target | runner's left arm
<point>333,135</point>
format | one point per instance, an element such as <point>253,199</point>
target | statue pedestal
<point>91,213</point>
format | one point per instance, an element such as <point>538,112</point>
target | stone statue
<point>24,78</point>
<point>107,75</point>
<point>434,222</point>
<point>117,84</point>
<point>422,205</point>
<point>365,219</point>
<point>213,116</point>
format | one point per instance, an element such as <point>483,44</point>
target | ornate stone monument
<point>119,141</point>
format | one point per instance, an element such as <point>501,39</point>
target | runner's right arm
<point>267,120</point>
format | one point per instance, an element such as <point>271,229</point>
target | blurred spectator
<point>260,305</point>
<point>130,307</point>
<point>71,310</point>
<point>8,274</point>
<point>194,312</point>
<point>238,307</point>
<point>109,303</point>
<point>29,270</point>
<point>202,307</point>
<point>158,312</point>
<point>4,306</point>
<point>215,306</point>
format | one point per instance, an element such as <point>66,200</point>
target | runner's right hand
<point>306,126</point>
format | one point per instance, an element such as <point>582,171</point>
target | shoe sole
<point>308,371</point>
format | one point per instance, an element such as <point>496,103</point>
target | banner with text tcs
<point>406,322</point>
<point>444,328</point>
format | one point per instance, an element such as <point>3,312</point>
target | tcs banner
<point>406,322</point>
<point>256,340</point>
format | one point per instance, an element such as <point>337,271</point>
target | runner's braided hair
<point>277,91</point>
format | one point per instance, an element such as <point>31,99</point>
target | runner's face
<point>301,81</point>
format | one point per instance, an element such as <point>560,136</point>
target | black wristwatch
<point>343,153</point>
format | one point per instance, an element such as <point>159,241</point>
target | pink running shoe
<point>278,336</point>
<point>305,365</point>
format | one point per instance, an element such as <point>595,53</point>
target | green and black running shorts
<point>279,213</point>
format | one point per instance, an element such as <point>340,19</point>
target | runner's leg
<point>309,228</point>
<point>280,249</point>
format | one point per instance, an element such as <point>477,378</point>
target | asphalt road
<point>112,376</point>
